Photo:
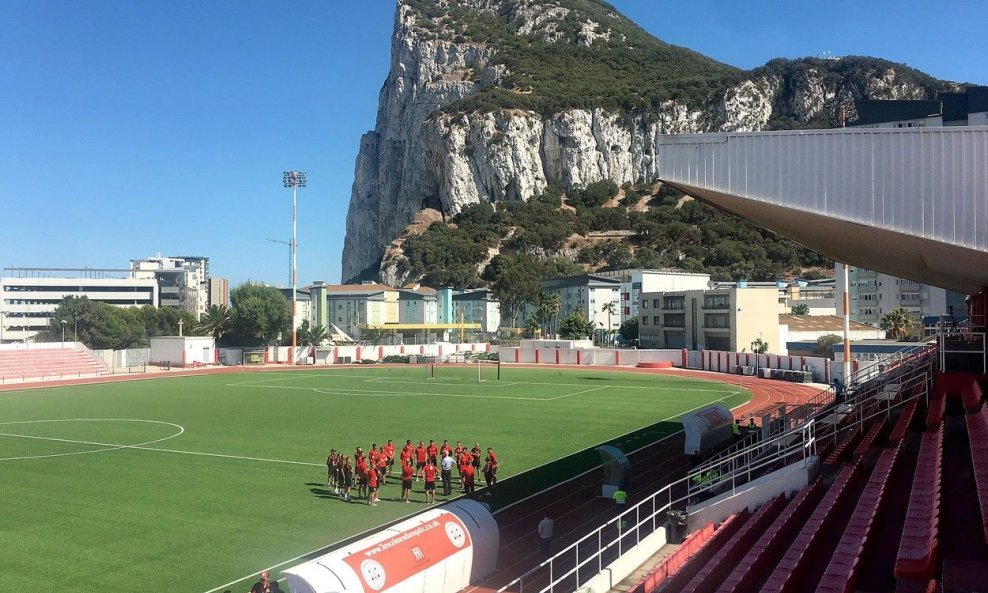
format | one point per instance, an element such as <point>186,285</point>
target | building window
<point>656,320</point>
<point>674,320</point>
<point>674,303</point>
<point>717,301</point>
<point>644,320</point>
<point>717,320</point>
<point>645,304</point>
<point>655,303</point>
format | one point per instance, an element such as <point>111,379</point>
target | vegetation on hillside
<point>629,70</point>
<point>669,233</point>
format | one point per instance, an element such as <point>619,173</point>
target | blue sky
<point>129,128</point>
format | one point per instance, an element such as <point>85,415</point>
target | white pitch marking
<point>107,446</point>
<point>578,392</point>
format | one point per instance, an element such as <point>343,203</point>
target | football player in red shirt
<point>468,479</point>
<point>372,483</point>
<point>389,452</point>
<point>432,451</point>
<point>421,455</point>
<point>406,480</point>
<point>430,472</point>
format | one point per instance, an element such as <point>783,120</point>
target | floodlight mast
<point>294,180</point>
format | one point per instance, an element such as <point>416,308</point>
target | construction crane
<point>289,243</point>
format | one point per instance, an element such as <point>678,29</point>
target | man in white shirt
<point>545,535</point>
<point>446,465</point>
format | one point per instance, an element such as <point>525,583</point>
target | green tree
<point>514,280</point>
<point>801,309</point>
<point>317,335</point>
<point>260,315</point>
<point>101,326</point>
<point>759,346</point>
<point>629,329</point>
<point>825,345</point>
<point>898,323</point>
<point>216,321</point>
<point>576,326</point>
<point>303,333</point>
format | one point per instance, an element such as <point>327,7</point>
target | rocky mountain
<point>501,100</point>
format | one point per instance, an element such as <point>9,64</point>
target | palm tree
<point>317,335</point>
<point>215,321</point>
<point>898,323</point>
<point>552,306</point>
<point>609,309</point>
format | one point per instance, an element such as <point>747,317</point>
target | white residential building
<point>418,304</point>
<point>477,306</point>
<point>183,282</point>
<point>29,296</point>
<point>588,294</point>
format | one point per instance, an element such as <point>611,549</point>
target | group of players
<point>429,463</point>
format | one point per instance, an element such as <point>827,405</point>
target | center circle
<point>103,447</point>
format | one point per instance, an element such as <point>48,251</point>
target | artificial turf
<point>197,483</point>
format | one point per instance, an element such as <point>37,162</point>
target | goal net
<point>464,369</point>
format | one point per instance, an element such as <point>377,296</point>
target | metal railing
<point>581,561</point>
<point>963,345</point>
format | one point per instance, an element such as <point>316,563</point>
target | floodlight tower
<point>294,180</point>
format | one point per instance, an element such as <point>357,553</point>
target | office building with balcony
<point>713,319</point>
<point>635,281</point>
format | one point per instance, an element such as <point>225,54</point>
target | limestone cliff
<point>434,148</point>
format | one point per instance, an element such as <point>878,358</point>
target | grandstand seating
<point>905,419</point>
<point>802,551</point>
<point>843,448</point>
<point>39,363</point>
<point>841,574</point>
<point>918,547</point>
<point>869,439</point>
<point>777,536</point>
<point>977,430</point>
<point>720,565</point>
<point>836,539</point>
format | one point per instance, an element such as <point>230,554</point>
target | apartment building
<point>713,319</point>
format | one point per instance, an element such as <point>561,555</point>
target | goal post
<point>471,369</point>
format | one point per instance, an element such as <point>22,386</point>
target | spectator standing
<point>545,535</point>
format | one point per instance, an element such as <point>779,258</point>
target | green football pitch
<point>197,483</point>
